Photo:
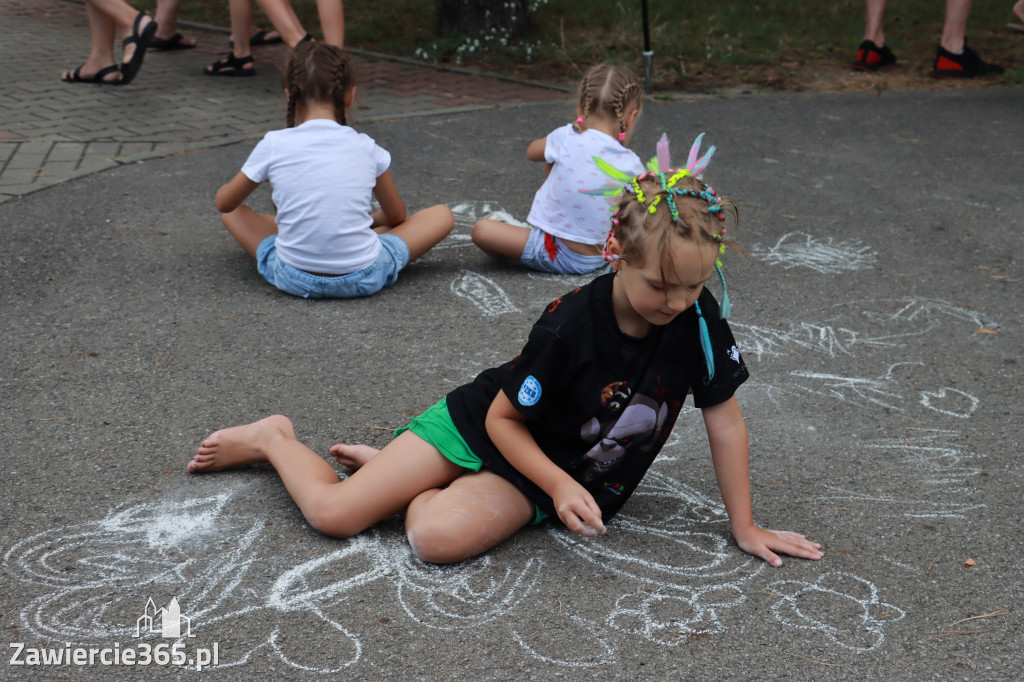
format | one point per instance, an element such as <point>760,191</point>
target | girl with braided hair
<point>569,427</point>
<point>566,230</point>
<point>325,240</point>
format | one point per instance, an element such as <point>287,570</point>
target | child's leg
<point>248,227</point>
<point>476,512</point>
<point>383,486</point>
<point>424,229</point>
<point>496,238</point>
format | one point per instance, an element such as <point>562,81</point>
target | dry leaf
<point>986,330</point>
<point>969,563</point>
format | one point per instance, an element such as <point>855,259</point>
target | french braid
<point>318,72</point>
<point>608,91</point>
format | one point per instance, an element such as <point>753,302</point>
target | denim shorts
<point>436,427</point>
<point>566,262</point>
<point>394,255</point>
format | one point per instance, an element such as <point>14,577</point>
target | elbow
<point>223,203</point>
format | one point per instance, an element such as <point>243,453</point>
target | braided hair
<point>318,72</point>
<point>699,214</point>
<point>608,91</point>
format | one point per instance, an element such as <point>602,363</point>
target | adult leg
<point>496,238</point>
<point>101,54</point>
<point>239,60</point>
<point>241,27</point>
<point>123,16</point>
<point>248,227</point>
<point>875,18</point>
<point>332,21</point>
<point>340,508</point>
<point>955,26</point>
<point>167,26</point>
<point>284,19</point>
<point>1018,9</point>
<point>476,512</point>
<point>424,229</point>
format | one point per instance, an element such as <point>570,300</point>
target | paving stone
<point>171,107</point>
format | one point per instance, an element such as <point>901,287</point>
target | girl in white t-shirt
<point>566,228</point>
<point>326,241</point>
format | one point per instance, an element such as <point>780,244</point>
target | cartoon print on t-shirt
<point>626,420</point>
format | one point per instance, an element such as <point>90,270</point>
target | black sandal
<point>262,38</point>
<point>230,66</point>
<point>141,40</point>
<point>99,77</point>
<point>175,42</point>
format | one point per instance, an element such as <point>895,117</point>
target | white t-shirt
<point>559,208</point>
<point>323,175</point>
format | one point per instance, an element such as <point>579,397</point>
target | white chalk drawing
<point>466,213</point>
<point>883,391</point>
<point>951,402</point>
<point>880,504</point>
<point>891,323</point>
<point>591,647</point>
<point>862,391</point>
<point>669,618</point>
<point>760,341</point>
<point>93,571</point>
<point>841,606</point>
<point>96,575</point>
<point>931,451</point>
<point>799,249</point>
<point>912,309</point>
<point>563,283</point>
<point>483,293</point>
<point>464,596</point>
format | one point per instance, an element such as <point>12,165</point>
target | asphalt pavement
<point>877,303</point>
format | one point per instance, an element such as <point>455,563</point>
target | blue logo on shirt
<point>529,392</point>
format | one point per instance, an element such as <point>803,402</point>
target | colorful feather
<point>612,172</point>
<point>691,160</point>
<point>662,152</point>
<point>705,343</point>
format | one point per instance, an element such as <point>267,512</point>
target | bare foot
<point>353,456</point>
<point>238,445</point>
<point>1018,9</point>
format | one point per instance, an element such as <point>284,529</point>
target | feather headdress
<point>660,168</point>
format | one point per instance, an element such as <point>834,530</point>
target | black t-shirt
<point>599,403</point>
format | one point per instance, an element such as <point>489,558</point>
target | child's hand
<point>577,509</point>
<point>761,542</point>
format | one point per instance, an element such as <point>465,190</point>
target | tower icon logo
<point>170,621</point>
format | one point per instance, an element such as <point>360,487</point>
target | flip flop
<point>141,42</point>
<point>175,42</point>
<point>76,76</point>
<point>260,38</point>
<point>1019,28</point>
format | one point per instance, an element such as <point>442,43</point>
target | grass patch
<point>744,41</point>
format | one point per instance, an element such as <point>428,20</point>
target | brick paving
<point>51,131</point>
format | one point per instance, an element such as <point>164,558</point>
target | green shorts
<point>437,428</point>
